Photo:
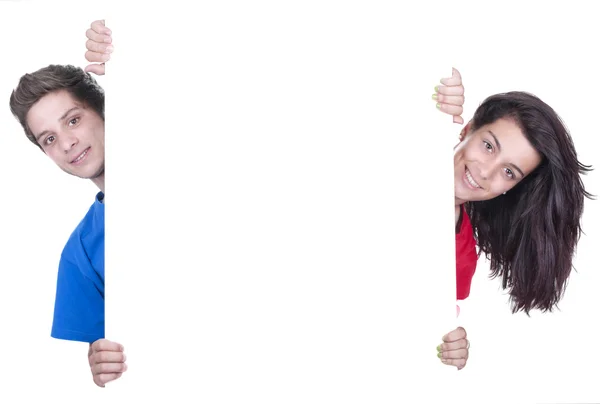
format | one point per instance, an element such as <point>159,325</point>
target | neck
<point>99,181</point>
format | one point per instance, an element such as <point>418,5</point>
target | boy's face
<point>70,133</point>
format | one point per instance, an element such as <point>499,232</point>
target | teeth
<point>80,156</point>
<point>471,180</point>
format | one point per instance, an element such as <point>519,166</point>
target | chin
<point>87,173</point>
<point>467,197</point>
<point>484,198</point>
<point>461,196</point>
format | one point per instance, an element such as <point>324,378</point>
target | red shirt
<point>466,257</point>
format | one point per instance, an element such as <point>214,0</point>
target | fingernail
<point>108,32</point>
<point>434,97</point>
<point>107,40</point>
<point>444,361</point>
<point>109,49</point>
<point>438,105</point>
<point>439,355</point>
<point>124,357</point>
<point>436,88</point>
<point>121,347</point>
<point>439,348</point>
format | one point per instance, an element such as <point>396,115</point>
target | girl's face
<point>492,160</point>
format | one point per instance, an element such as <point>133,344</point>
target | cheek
<point>459,161</point>
<point>464,150</point>
<point>471,151</point>
<point>54,156</point>
<point>99,133</point>
<point>500,185</point>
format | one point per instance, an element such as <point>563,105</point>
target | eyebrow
<point>37,138</point>
<point>500,149</point>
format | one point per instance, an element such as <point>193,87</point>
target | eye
<point>488,146</point>
<point>74,121</point>
<point>509,173</point>
<point>49,140</point>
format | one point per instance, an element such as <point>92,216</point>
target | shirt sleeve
<point>78,307</point>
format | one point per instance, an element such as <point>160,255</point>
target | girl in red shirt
<point>519,197</point>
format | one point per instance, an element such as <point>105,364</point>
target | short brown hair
<point>33,86</point>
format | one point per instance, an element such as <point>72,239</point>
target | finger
<point>104,378</point>
<point>101,368</point>
<point>452,346</point>
<point>459,363</point>
<point>100,28</point>
<point>106,345</point>
<point>460,121</point>
<point>455,80</point>
<point>458,333</point>
<point>458,100</point>
<point>96,37</point>
<point>456,354</point>
<point>450,90</point>
<point>97,69</point>
<point>450,109</point>
<point>108,357</point>
<point>97,57</point>
<point>98,47</point>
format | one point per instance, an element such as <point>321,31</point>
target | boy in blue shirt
<point>61,109</point>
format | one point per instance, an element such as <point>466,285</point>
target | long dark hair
<point>530,233</point>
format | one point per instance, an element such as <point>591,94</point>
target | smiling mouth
<point>471,180</point>
<point>81,156</point>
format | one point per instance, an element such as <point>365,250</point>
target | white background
<point>40,207</point>
<point>265,164</point>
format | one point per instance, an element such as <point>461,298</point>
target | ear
<point>465,131</point>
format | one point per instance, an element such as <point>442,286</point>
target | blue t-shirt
<point>79,303</point>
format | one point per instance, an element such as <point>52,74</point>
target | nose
<point>490,169</point>
<point>486,171</point>
<point>68,141</point>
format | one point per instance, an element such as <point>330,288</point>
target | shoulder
<point>466,229</point>
<point>92,224</point>
<point>93,219</point>
<point>466,257</point>
<point>465,243</point>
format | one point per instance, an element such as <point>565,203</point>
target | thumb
<point>98,69</point>
<point>455,80</point>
